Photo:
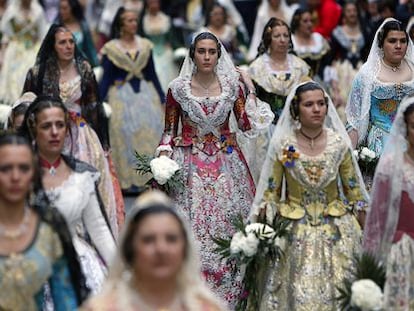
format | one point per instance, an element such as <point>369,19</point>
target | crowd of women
<point>295,134</point>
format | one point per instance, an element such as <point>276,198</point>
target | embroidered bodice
<point>312,182</point>
<point>76,199</point>
<point>205,121</point>
<point>385,99</point>
<point>22,275</point>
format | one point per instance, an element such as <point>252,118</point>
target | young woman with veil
<point>389,230</point>
<point>60,71</point>
<point>379,86</point>
<point>311,178</point>
<point>157,267</point>
<point>208,103</point>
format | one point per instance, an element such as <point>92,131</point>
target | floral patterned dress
<point>324,233</point>
<point>218,185</point>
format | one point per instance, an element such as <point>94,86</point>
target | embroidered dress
<point>24,274</point>
<point>324,233</point>
<point>217,183</point>
<point>23,35</point>
<point>82,142</point>
<point>78,202</point>
<point>135,95</point>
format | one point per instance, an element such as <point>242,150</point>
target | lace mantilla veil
<point>285,128</point>
<point>359,101</point>
<point>388,187</point>
<point>191,288</point>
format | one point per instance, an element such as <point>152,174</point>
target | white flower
<point>246,244</point>
<point>367,153</point>
<point>163,168</point>
<point>356,154</point>
<point>366,295</point>
<point>263,231</point>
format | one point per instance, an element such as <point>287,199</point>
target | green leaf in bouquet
<point>143,163</point>
<point>222,247</point>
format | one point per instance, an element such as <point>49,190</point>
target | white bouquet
<point>163,168</point>
<point>366,154</point>
<point>366,295</point>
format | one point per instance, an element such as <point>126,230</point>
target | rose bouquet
<point>252,247</point>
<point>367,160</point>
<point>362,291</point>
<point>165,171</point>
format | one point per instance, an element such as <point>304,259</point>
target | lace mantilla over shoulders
<point>325,165</point>
<point>208,113</point>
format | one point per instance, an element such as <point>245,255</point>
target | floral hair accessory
<point>289,156</point>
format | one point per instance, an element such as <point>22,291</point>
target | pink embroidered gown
<point>218,184</point>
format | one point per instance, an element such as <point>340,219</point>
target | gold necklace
<point>390,67</point>
<point>311,139</point>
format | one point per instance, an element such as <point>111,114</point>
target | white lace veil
<point>286,127</point>
<point>388,186</point>
<point>192,289</point>
<point>359,100</point>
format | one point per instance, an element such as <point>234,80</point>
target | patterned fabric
<point>218,185</point>
<point>137,113</point>
<point>22,275</point>
<point>324,231</point>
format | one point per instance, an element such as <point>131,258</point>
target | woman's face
<point>410,129</point>
<point>305,24</point>
<point>65,10</point>
<point>205,55</point>
<point>16,173</point>
<point>274,4</point>
<point>64,45</point>
<point>159,248</point>
<point>395,46</point>
<point>153,6</point>
<point>50,130</point>
<point>129,23</point>
<point>217,16</point>
<point>350,14</point>
<point>312,109</point>
<point>280,40</point>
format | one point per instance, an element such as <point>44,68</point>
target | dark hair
<point>309,86</point>
<point>348,2</point>
<point>116,25</point>
<point>17,140</point>
<point>294,24</point>
<point>76,9</point>
<point>127,249</point>
<point>267,35</point>
<point>211,8</point>
<point>17,111</point>
<point>390,26</point>
<point>408,111</point>
<point>41,103</point>
<point>204,36</point>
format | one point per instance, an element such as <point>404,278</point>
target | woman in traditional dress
<point>71,186</point>
<point>155,233</point>
<point>200,137</point>
<point>389,231</point>
<point>268,9</point>
<point>35,244</point>
<point>311,178</point>
<point>379,86</point>
<point>156,26</point>
<point>72,17</point>
<point>310,46</point>
<point>60,71</point>
<point>23,26</point>
<point>132,88</point>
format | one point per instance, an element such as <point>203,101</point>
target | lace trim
<point>208,113</point>
<point>74,179</point>
<point>330,160</point>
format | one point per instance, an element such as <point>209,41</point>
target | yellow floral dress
<point>322,197</point>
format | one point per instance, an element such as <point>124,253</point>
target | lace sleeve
<point>172,118</point>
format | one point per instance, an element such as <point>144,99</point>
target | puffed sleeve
<point>350,183</point>
<point>172,118</point>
